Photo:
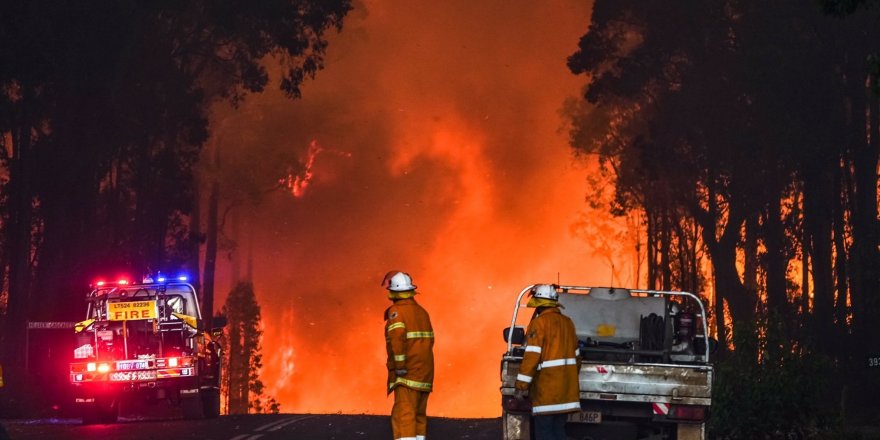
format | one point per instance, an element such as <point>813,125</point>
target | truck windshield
<point>178,299</point>
<point>136,321</point>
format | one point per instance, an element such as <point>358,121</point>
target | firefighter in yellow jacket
<point>409,339</point>
<point>550,365</point>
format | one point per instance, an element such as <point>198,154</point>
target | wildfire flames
<point>297,183</point>
<point>460,175</point>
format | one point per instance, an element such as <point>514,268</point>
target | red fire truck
<point>145,342</point>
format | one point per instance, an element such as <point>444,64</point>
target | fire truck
<point>145,342</point>
<point>644,373</point>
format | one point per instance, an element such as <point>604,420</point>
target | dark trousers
<point>550,427</point>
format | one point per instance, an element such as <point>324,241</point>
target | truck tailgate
<point>683,384</point>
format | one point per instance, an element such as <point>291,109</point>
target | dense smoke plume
<point>444,155</point>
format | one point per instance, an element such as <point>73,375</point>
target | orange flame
<point>297,183</point>
<point>463,179</point>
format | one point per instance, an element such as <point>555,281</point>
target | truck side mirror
<point>518,336</point>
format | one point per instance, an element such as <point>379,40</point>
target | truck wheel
<point>192,406</point>
<point>210,403</point>
<point>101,411</point>
<point>516,426</point>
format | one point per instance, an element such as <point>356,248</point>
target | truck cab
<point>145,342</point>
<point>645,365</point>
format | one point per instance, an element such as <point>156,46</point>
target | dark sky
<point>444,155</point>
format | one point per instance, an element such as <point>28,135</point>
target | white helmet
<point>545,291</point>
<point>400,282</point>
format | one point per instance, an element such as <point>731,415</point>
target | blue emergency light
<point>163,279</point>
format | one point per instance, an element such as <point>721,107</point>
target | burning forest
<point>288,154</point>
<point>434,161</point>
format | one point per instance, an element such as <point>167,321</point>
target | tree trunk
<point>652,247</point>
<point>666,248</point>
<point>235,253</point>
<point>211,255</point>
<point>818,197</point>
<point>804,303</point>
<point>195,237</point>
<point>750,251</point>
<point>236,367</point>
<point>249,275</point>
<point>840,250</point>
<point>866,279</point>
<point>686,260</point>
<point>741,300</point>
<point>19,250</point>
<point>777,263</point>
<point>695,267</point>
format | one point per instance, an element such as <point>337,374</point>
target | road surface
<point>248,427</point>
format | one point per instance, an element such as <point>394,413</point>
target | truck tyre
<point>192,406</point>
<point>210,403</point>
<point>101,411</point>
<point>516,426</point>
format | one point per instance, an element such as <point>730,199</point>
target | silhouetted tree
<point>649,64</point>
<point>756,122</point>
<point>242,385</point>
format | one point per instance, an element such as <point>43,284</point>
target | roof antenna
<point>612,275</point>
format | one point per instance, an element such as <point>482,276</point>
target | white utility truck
<point>645,372</point>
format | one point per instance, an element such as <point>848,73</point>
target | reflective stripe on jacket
<point>551,364</point>
<point>409,339</point>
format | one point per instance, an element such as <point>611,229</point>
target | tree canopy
<point>754,124</point>
<point>103,113</point>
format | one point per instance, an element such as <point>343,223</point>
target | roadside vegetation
<point>741,140</point>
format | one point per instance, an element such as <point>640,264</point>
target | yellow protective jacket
<point>409,339</point>
<point>551,364</point>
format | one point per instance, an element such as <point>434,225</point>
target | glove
<point>401,372</point>
<point>519,394</point>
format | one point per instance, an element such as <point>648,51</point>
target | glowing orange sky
<point>455,168</point>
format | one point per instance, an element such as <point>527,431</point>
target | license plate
<point>129,376</point>
<point>585,417</point>
<point>132,365</point>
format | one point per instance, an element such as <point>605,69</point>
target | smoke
<point>452,165</point>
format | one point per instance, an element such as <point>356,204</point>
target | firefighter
<point>409,340</point>
<point>550,365</point>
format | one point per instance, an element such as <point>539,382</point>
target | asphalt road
<point>248,427</point>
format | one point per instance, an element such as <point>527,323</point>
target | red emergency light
<point>121,281</point>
